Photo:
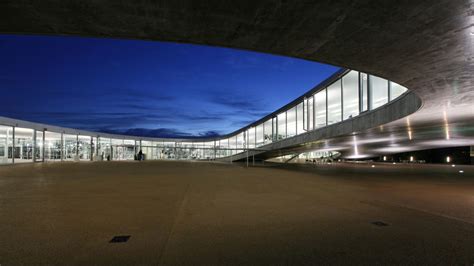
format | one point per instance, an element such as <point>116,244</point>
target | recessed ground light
<point>373,166</point>
<point>461,171</point>
<point>453,165</point>
<point>119,239</point>
<point>394,163</point>
<point>379,223</point>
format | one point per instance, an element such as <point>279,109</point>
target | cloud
<point>161,133</point>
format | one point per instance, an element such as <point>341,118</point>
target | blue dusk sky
<point>146,88</point>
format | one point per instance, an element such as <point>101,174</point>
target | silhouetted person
<point>140,155</point>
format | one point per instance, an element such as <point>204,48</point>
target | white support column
<point>13,145</point>
<point>34,145</point>
<point>77,148</point>
<point>62,146</point>
<point>92,147</point>
<point>43,146</point>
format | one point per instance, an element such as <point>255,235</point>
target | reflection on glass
<point>350,93</point>
<point>259,140</point>
<point>241,141</point>
<point>39,146</point>
<point>84,148</point>
<point>345,98</point>
<point>281,134</point>
<point>6,144</point>
<point>70,147</point>
<point>52,143</point>
<point>378,92</point>
<point>268,131</point>
<point>396,90</point>
<point>104,149</point>
<point>310,115</point>
<point>251,137</point>
<point>364,92</point>
<point>291,122</point>
<point>299,119</point>
<point>334,102</point>
<point>23,145</point>
<point>320,100</point>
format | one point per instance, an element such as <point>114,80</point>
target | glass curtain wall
<point>345,98</point>
<point>320,100</point>
<point>364,92</point>
<point>52,146</point>
<point>281,131</point>
<point>241,141</point>
<point>310,113</point>
<point>350,100</point>
<point>299,119</point>
<point>260,138</point>
<point>396,90</point>
<point>233,144</point>
<point>39,146</point>
<point>251,138</point>
<point>70,147</point>
<point>378,92</point>
<point>291,122</point>
<point>104,149</point>
<point>148,150</point>
<point>6,144</point>
<point>24,142</point>
<point>334,102</point>
<point>84,148</point>
<point>267,131</point>
<point>129,149</point>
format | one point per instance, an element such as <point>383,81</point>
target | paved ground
<point>215,214</point>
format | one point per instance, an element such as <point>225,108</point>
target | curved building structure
<point>426,47</point>
<point>339,100</point>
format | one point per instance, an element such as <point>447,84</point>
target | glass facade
<point>291,122</point>
<point>347,96</point>
<point>378,92</point>
<point>24,143</point>
<point>350,97</point>
<point>52,146</point>
<point>334,105</point>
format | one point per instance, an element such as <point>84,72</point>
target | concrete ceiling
<point>427,46</point>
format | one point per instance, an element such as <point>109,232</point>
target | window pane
<point>281,126</point>
<point>70,147</point>
<point>291,122</point>
<point>378,91</point>
<point>364,92</point>
<point>350,86</point>
<point>299,119</point>
<point>38,148</point>
<point>23,145</point>
<point>396,90</point>
<point>320,99</point>
<point>268,131</point>
<point>334,102</point>
<point>104,149</point>
<point>233,144</point>
<point>310,113</point>
<point>251,137</point>
<point>259,135</point>
<point>84,145</point>
<point>52,146</point>
<point>6,144</point>
<point>241,141</point>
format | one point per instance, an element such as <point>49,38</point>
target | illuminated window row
<point>348,96</point>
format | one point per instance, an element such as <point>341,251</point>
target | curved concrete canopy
<point>424,45</point>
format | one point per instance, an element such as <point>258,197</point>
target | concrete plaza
<point>196,213</point>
